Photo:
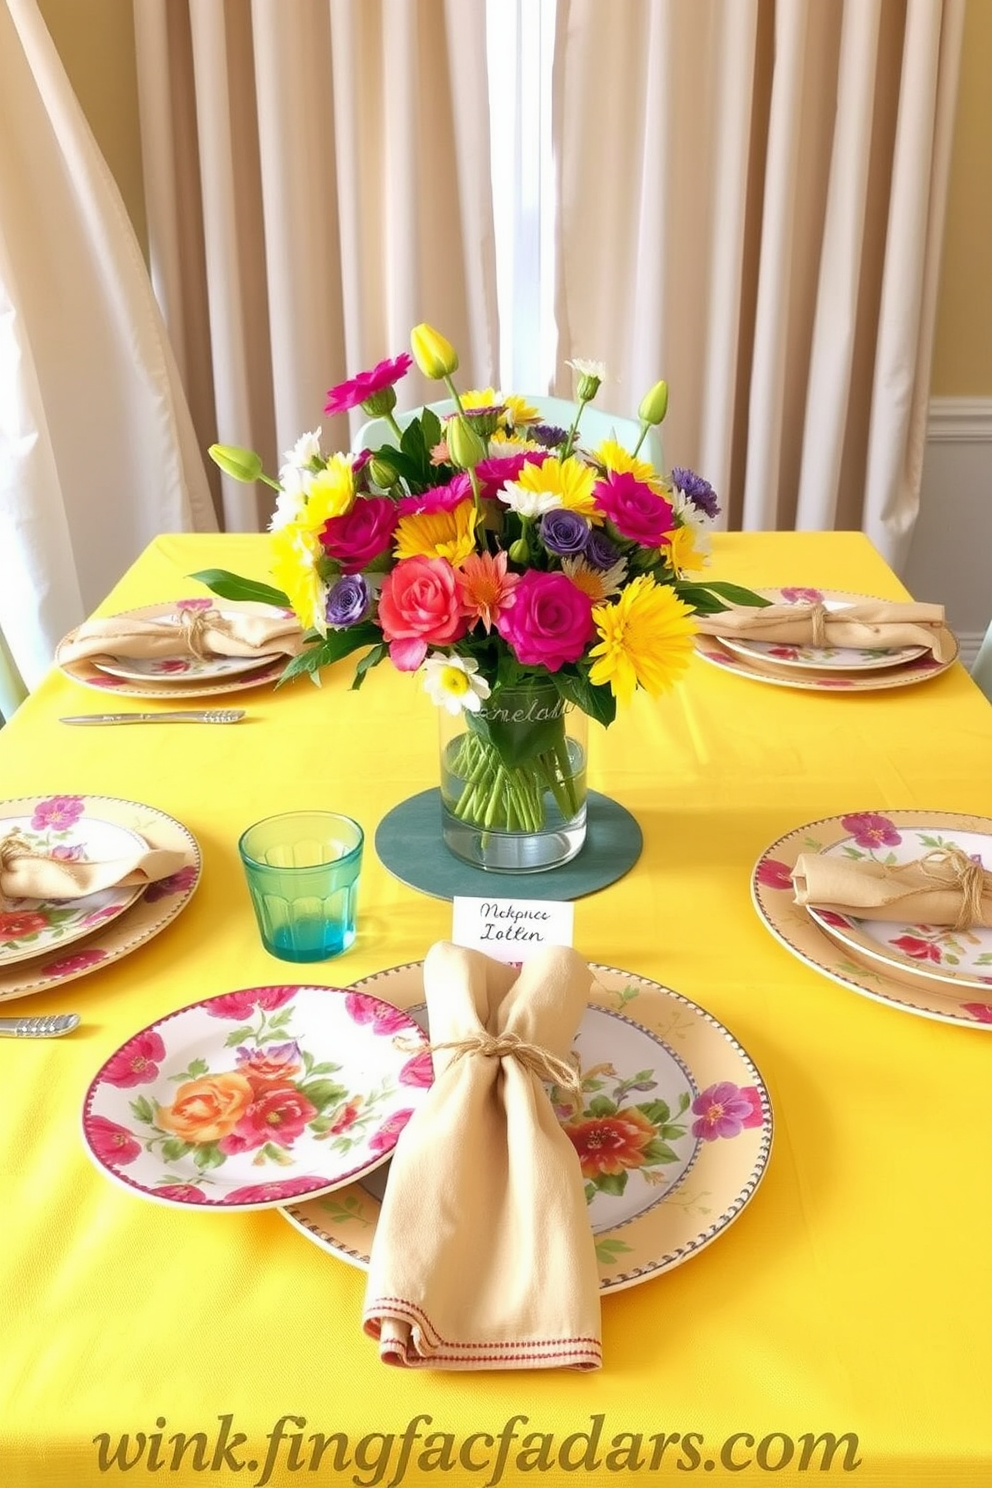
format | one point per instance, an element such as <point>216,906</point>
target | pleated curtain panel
<point>749,201</point>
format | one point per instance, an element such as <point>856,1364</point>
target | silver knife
<point>209,715</point>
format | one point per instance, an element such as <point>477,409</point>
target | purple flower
<point>599,551</point>
<point>57,812</point>
<point>564,532</point>
<point>697,490</point>
<point>548,435</point>
<point>348,602</point>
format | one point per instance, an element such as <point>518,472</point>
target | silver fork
<point>190,715</point>
<point>52,1025</point>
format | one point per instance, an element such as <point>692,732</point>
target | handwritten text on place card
<point>511,929</point>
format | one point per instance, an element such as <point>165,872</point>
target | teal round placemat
<point>408,841</point>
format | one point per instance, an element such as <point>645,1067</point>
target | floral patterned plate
<point>148,913</point>
<point>61,826</point>
<point>172,685</point>
<point>820,658</point>
<point>772,892</point>
<point>785,666</point>
<point>253,1097</point>
<point>935,952</point>
<point>673,1136</point>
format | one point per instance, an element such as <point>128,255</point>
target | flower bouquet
<point>532,582</point>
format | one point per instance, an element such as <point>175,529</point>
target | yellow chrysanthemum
<point>295,550</point>
<point>646,639</point>
<point>503,443</point>
<point>481,398</point>
<point>520,411</point>
<point>332,493</point>
<point>616,458</point>
<point>684,554</point>
<point>439,534</point>
<point>572,480</point>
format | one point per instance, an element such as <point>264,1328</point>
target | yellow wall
<point>96,41</point>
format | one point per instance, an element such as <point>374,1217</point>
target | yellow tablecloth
<point>851,1298</point>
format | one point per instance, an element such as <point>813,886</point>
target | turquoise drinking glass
<point>302,869</point>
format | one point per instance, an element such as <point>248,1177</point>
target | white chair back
<point>981,672</point>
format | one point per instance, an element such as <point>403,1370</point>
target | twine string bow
<point>951,868</point>
<point>818,616</point>
<point>195,624</point>
<point>531,1057</point>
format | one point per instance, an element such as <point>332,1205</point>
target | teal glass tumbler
<point>302,869</point>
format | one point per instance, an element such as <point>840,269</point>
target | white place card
<point>511,929</point>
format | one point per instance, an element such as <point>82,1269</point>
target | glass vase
<point>513,780</point>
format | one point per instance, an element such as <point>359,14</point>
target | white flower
<point>452,682</point>
<point>306,448</point>
<point>291,499</point>
<point>690,516</point>
<point>588,369</point>
<point>528,503</point>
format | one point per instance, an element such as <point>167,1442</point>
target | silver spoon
<point>50,1026</point>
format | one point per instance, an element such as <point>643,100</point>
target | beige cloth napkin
<point>930,891</point>
<point>25,874</point>
<point>204,633</point>
<point>483,1256</point>
<point>874,623</point>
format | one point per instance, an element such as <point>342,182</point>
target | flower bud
<point>435,356</point>
<point>519,551</point>
<point>587,388</point>
<point>654,404</point>
<point>382,473</point>
<point>381,402</point>
<point>465,448</point>
<point>242,464</point>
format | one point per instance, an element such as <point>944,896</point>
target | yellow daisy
<point>598,583</point>
<point>332,493</point>
<point>572,480</point>
<point>683,552</point>
<point>438,534</point>
<point>646,639</point>
<point>295,551</point>
<point>616,458</point>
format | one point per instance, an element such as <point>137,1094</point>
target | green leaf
<point>142,1109</point>
<point>612,1183</point>
<point>597,702</point>
<point>233,586</point>
<point>331,648</point>
<point>601,1105</point>
<point>608,1250</point>
<point>369,660</point>
<point>659,1152</point>
<point>238,1036</point>
<point>208,1156</point>
<point>670,1132</point>
<point>657,1111</point>
<point>736,594</point>
<point>175,1148</point>
<point>323,1093</point>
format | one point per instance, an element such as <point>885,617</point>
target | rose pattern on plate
<point>268,1093</point>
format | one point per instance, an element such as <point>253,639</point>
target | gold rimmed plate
<point>852,966</point>
<point>209,680</point>
<point>673,1137</point>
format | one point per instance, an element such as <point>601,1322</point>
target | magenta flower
<point>242,1005</point>
<point>385,1138</point>
<point>774,875</point>
<point>358,390</point>
<point>802,596</point>
<point>171,664</point>
<point>361,1008</point>
<point>637,512</point>
<point>176,883</point>
<point>67,854</point>
<point>195,604</point>
<point>550,622</point>
<point>183,1193</point>
<point>79,961</point>
<point>57,813</point>
<point>111,1143</point>
<point>784,653</point>
<point>437,498</point>
<point>364,532</point>
<point>418,1071</point>
<point>494,473</point>
<point>279,1114</point>
<point>980,1011</point>
<point>108,682</point>
<point>919,950</point>
<point>871,830</point>
<point>266,1193</point>
<point>724,1110</point>
<point>137,1063</point>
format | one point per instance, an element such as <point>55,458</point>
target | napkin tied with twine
<point>27,874</point>
<point>873,624</point>
<point>197,633</point>
<point>944,887</point>
<point>483,1255</point>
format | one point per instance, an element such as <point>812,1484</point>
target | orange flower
<point>206,1109</point>
<point>486,587</point>
<point>610,1144</point>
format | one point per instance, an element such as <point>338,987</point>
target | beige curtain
<point>97,454</point>
<point>751,204</point>
<point>318,182</point>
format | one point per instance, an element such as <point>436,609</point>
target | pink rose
<point>637,512</point>
<point>277,1115</point>
<point>383,1016</point>
<point>420,606</point>
<point>242,1005</point>
<point>550,622</point>
<point>268,1193</point>
<point>364,532</point>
